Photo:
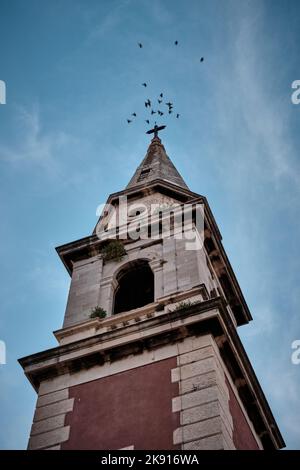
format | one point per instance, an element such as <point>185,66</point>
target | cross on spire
<point>155,130</point>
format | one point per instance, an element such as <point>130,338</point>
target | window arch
<point>135,286</point>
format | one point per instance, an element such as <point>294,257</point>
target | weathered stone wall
<point>84,290</point>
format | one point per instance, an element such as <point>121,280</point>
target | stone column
<point>169,267</point>
<point>107,289</point>
<point>84,290</point>
<point>157,268</point>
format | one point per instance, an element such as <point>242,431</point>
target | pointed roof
<point>156,165</point>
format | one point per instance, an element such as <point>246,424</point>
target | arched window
<point>135,286</point>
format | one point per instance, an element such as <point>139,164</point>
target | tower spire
<point>156,165</point>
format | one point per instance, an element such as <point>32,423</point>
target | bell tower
<point>149,355</point>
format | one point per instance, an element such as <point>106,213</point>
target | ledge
<point>96,325</point>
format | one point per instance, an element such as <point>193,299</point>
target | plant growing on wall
<point>160,307</point>
<point>98,312</point>
<point>114,251</point>
<point>184,304</point>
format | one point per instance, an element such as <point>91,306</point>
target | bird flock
<point>156,106</point>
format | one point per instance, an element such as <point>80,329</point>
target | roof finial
<point>155,130</point>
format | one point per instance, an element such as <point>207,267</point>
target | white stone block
<point>199,413</point>
<point>54,409</point>
<point>196,368</point>
<point>177,436</point>
<point>48,424</point>
<point>176,404</point>
<point>192,432</point>
<point>48,439</point>
<point>175,375</point>
<point>53,397</point>
<point>197,355</point>
<point>199,397</point>
<point>194,342</point>
<point>207,443</point>
<point>198,382</point>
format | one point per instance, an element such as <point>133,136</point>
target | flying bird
<point>177,115</point>
<point>128,120</point>
<point>133,114</point>
<point>147,121</point>
<point>169,104</point>
<point>153,112</point>
<point>176,42</point>
<point>140,45</point>
<point>202,59</point>
<point>144,84</point>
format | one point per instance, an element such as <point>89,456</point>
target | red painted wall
<point>129,408</point>
<point>243,438</point>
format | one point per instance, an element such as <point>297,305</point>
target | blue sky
<point>73,73</point>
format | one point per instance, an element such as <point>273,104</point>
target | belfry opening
<point>135,287</point>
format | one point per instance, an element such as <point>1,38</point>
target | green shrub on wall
<point>113,251</point>
<point>184,304</point>
<point>98,312</point>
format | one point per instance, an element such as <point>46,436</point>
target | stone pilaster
<point>84,290</point>
<point>157,268</point>
<point>203,401</point>
<point>48,430</point>
<point>107,288</point>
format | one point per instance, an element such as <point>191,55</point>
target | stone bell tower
<point>149,355</point>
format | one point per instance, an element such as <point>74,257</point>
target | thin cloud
<point>249,107</point>
<point>258,160</point>
<point>33,146</point>
<point>264,114</point>
<point>108,23</point>
<point>45,153</point>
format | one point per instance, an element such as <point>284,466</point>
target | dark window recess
<point>144,174</point>
<point>136,287</point>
